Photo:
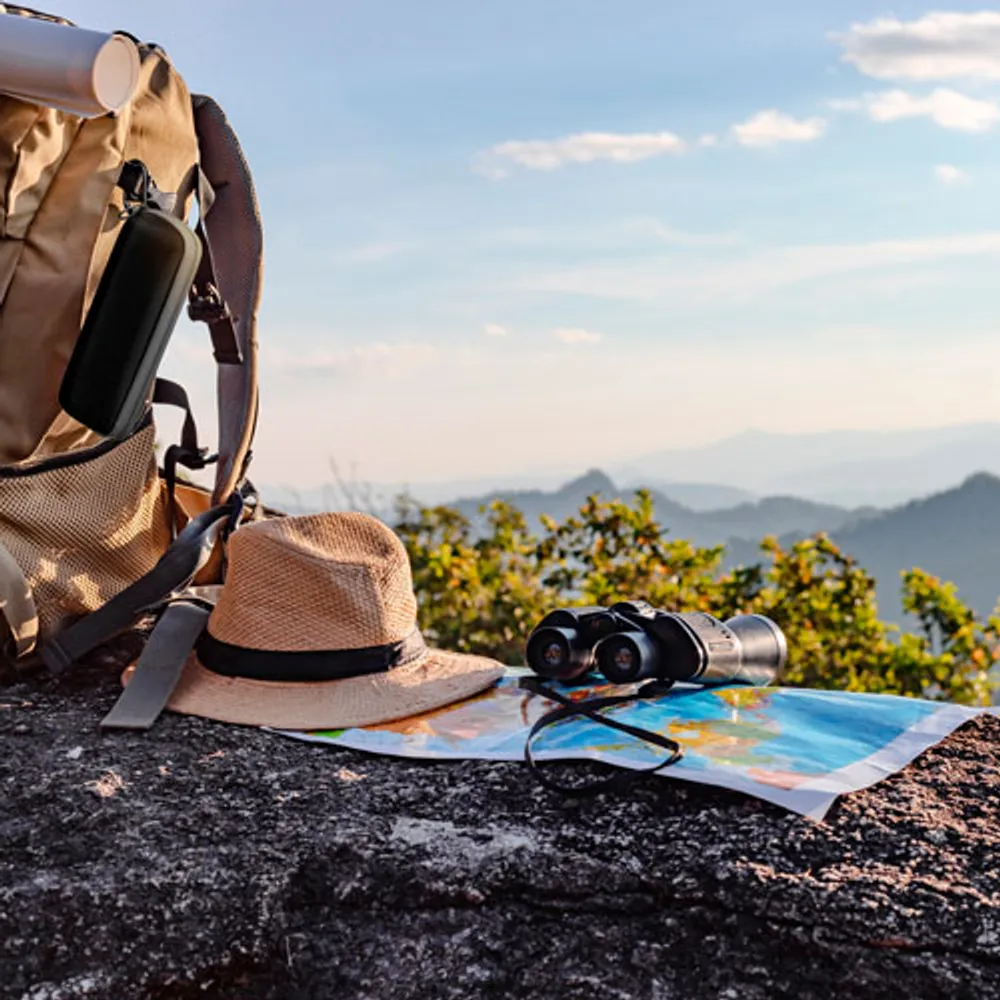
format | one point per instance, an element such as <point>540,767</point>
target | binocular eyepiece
<point>632,641</point>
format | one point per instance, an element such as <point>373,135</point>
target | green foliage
<point>482,587</point>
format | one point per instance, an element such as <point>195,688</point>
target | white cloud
<point>385,360</point>
<point>767,128</point>
<point>848,104</point>
<point>584,147</point>
<point>700,280</point>
<point>950,175</point>
<point>575,335</point>
<point>938,46</point>
<point>192,348</point>
<point>495,330</point>
<point>708,139</point>
<point>679,237</point>
<point>628,233</point>
<point>944,107</point>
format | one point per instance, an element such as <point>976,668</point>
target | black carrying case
<point>110,375</point>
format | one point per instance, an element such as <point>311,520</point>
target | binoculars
<point>632,641</point>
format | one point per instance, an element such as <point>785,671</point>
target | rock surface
<point>208,861</point>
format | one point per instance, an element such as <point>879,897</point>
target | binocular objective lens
<point>553,655</point>
<point>624,659</point>
<point>627,657</point>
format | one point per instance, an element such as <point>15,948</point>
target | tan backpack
<point>92,532</point>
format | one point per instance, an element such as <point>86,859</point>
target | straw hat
<point>315,628</point>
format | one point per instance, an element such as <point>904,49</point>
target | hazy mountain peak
<point>592,481</point>
<point>980,481</point>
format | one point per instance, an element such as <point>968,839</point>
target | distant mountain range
<point>887,498</point>
<point>700,496</point>
<point>954,534</point>
<point>843,468</point>
<point>849,468</point>
<point>748,520</point>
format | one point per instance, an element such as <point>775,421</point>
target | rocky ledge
<point>201,860</point>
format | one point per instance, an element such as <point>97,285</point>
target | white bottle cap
<point>115,73</point>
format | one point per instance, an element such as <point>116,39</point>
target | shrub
<point>481,587</point>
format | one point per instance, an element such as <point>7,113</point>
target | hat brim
<point>434,681</point>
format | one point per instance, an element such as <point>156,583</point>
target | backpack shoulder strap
<point>159,667</point>
<point>228,286</point>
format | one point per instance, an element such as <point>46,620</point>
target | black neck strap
<point>590,708</point>
<point>305,666</point>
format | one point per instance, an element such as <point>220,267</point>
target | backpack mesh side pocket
<point>84,526</point>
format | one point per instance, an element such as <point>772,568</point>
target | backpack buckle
<point>135,181</point>
<point>206,305</point>
<point>140,190</point>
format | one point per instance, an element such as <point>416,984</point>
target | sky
<point>506,237</point>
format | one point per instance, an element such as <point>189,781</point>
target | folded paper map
<point>795,747</point>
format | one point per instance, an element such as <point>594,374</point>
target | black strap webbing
<point>171,394</point>
<point>188,453</point>
<point>172,573</point>
<point>590,709</point>
<point>159,668</point>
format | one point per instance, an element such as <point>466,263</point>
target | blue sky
<point>507,236</point>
